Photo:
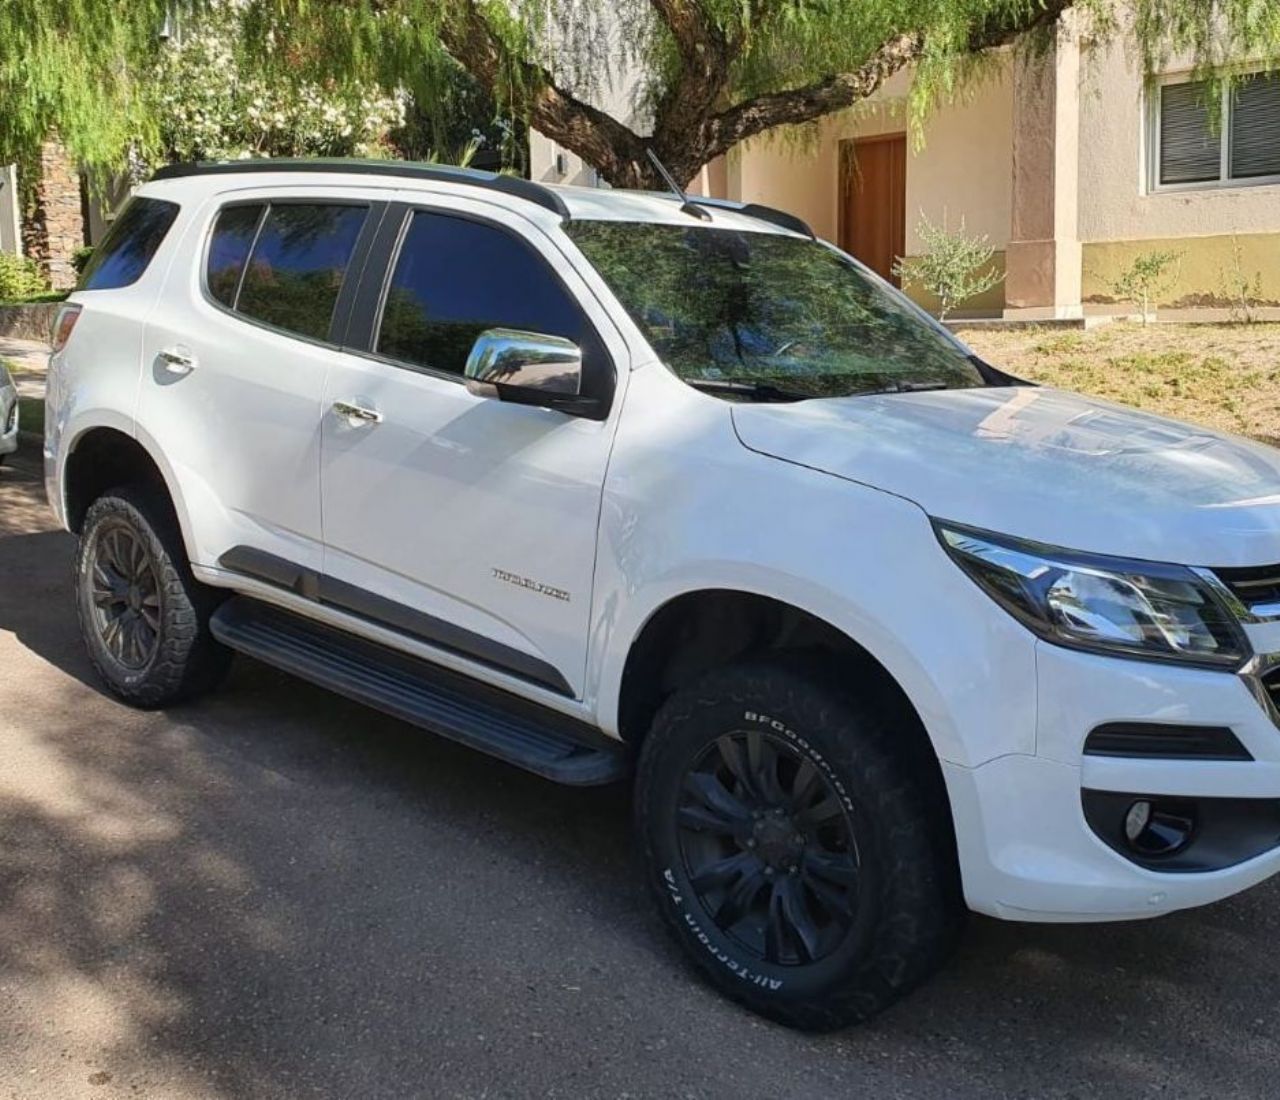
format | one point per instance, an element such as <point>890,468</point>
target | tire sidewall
<point>680,741</point>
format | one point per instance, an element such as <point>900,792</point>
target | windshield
<point>789,317</point>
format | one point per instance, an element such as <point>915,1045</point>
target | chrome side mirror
<point>528,367</point>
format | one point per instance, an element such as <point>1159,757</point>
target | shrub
<point>1146,279</point>
<point>20,278</point>
<point>80,257</point>
<point>1243,294</point>
<point>954,267</point>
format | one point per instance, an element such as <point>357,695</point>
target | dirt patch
<point>1224,376</point>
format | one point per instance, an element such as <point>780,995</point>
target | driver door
<point>464,522</point>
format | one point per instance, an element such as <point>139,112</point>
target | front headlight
<point>1107,605</point>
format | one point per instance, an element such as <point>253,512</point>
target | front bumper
<point>1026,849</point>
<point>8,420</point>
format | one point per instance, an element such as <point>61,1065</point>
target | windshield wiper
<point>757,391</point>
<point>907,387</point>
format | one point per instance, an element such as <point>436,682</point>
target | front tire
<point>143,616</point>
<point>795,852</point>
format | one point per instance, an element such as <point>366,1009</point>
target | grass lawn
<point>1225,376</point>
<point>30,409</point>
<point>31,414</point>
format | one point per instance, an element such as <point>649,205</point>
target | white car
<point>8,413</point>
<point>602,482</point>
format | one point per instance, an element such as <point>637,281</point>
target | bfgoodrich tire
<point>795,851</point>
<point>143,616</point>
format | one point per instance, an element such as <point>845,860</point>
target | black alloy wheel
<point>796,836</point>
<point>126,596</point>
<point>769,849</point>
<point>143,616</point>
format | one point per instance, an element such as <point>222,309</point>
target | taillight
<point>65,321</point>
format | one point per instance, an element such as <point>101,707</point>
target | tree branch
<point>609,146</point>
<point>798,105</point>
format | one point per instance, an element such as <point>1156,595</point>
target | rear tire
<point>797,855</point>
<point>143,616</point>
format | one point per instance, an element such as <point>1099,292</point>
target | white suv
<point>587,478</point>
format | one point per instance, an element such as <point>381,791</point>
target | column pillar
<point>1042,261</point>
<point>53,224</point>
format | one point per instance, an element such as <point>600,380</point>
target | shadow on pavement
<point>274,892</point>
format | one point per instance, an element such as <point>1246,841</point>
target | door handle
<point>357,415</point>
<point>178,360</point>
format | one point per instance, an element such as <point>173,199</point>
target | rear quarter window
<point>299,260</point>
<point>233,236</point>
<point>129,245</point>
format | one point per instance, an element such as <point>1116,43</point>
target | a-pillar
<point>1042,261</point>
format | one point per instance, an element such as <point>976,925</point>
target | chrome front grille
<point>1257,588</point>
<point>1271,684</point>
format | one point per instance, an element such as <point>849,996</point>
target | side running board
<point>454,706</point>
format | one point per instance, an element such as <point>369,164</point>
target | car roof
<point>566,203</point>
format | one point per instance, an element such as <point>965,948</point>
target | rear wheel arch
<point>102,458</point>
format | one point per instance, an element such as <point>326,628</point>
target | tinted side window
<point>229,246</point>
<point>455,278</point>
<point>130,243</point>
<point>298,264</point>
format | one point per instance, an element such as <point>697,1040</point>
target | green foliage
<point>80,257</point>
<point>20,278</point>
<point>1147,278</point>
<point>87,68</point>
<point>1243,294</point>
<point>453,118</point>
<point>953,267</point>
<point>211,105</point>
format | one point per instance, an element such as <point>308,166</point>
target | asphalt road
<point>275,893</point>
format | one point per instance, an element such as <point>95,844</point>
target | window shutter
<point>1190,151</point>
<point>1255,127</point>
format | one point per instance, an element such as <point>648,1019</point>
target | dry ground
<point>1225,376</point>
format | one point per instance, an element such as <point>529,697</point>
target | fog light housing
<point>1158,829</point>
<point>1180,834</point>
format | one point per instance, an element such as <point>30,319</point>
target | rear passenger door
<point>463,522</point>
<point>234,364</point>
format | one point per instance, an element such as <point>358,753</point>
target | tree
<point>712,72</point>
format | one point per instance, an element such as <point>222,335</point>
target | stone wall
<point>53,222</point>
<point>31,322</point>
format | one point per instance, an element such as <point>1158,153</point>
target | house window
<point>1200,143</point>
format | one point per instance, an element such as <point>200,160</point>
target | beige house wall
<point>961,169</point>
<point>10,210</point>
<point>1216,230</point>
<point>1118,202</point>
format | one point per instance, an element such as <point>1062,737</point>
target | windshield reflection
<point>730,306</point>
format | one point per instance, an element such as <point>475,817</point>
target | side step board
<point>454,706</point>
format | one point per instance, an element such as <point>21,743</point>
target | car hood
<point>1046,465</point>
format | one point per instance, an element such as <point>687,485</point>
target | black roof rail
<point>444,173</point>
<point>760,211</point>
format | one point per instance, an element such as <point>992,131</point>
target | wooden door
<point>873,224</point>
